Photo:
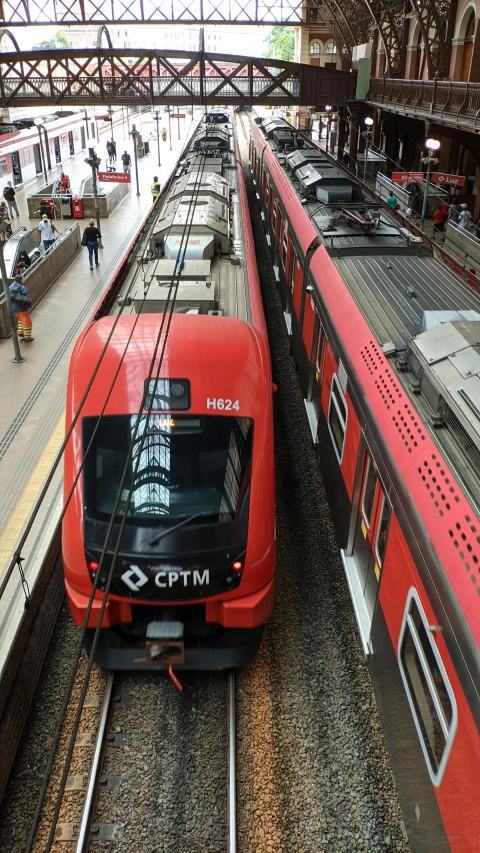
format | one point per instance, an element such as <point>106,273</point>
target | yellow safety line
<point>21,513</point>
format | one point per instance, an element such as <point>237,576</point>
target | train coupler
<point>164,644</point>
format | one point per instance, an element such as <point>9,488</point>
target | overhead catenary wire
<point>69,687</point>
<point>163,330</point>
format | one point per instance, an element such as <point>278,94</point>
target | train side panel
<point>430,729</point>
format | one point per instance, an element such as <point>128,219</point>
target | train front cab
<point>430,731</point>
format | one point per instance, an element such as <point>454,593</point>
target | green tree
<point>280,44</point>
<point>57,41</point>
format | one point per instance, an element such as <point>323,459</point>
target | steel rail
<point>232,784</point>
<point>83,840</point>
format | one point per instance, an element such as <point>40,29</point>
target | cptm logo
<point>134,578</point>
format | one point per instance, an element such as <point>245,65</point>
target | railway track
<point>313,772</point>
<point>161,763</point>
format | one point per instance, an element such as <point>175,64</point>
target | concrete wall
<point>43,274</point>
<point>106,203</point>
<point>464,245</point>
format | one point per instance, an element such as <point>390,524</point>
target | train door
<point>56,148</point>
<point>71,144</point>
<point>370,537</point>
<point>16,169</point>
<point>82,138</point>
<point>38,159</point>
<point>315,379</point>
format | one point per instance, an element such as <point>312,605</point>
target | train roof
<point>221,356</point>
<point>404,295</point>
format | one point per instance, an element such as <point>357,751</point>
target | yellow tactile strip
<point>22,511</point>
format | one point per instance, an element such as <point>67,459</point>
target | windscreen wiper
<point>160,536</point>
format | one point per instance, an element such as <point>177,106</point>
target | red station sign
<point>448,180</point>
<point>408,177</point>
<point>115,177</point>
<point>435,178</point>
<point>177,115</point>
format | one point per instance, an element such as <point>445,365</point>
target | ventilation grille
<point>464,534</point>
<point>463,528</point>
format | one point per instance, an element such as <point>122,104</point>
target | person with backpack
<point>46,232</point>
<point>21,304</point>
<point>9,196</point>
<point>127,162</point>
<point>155,188</point>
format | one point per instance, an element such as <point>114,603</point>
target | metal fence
<point>440,99</point>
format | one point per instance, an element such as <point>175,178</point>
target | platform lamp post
<point>432,146</point>
<point>135,134</point>
<point>156,118</point>
<point>40,126</point>
<point>167,109</point>
<point>8,301</point>
<point>94,162</point>
<point>328,110</point>
<point>368,122</point>
<point>110,115</point>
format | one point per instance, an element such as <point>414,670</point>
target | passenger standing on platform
<point>392,202</point>
<point>127,162</point>
<point>91,236</point>
<point>439,219</point>
<point>9,196</point>
<point>464,216</point>
<point>21,304</point>
<point>155,188</point>
<point>109,152</point>
<point>65,181</point>
<point>454,212</point>
<point>114,152</point>
<point>47,232</point>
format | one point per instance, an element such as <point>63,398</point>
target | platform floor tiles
<point>33,393</point>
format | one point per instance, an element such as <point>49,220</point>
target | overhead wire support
<point>166,318</point>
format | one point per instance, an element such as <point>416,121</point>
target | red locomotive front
<point>186,485</point>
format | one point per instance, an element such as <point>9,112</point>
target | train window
<point>320,354</point>
<point>337,417</point>
<point>429,692</point>
<point>267,192</point>
<point>285,247</point>
<point>369,487</point>
<point>3,166</point>
<point>382,532</point>
<point>274,216</point>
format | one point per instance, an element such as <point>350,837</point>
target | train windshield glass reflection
<point>181,465</point>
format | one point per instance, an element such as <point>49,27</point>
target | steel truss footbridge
<point>109,76</point>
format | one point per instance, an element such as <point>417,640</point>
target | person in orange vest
<point>21,304</point>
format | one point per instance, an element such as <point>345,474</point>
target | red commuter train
<point>175,435</point>
<point>386,340</point>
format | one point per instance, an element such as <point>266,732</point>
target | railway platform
<point>33,393</point>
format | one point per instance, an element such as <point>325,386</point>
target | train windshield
<point>178,466</point>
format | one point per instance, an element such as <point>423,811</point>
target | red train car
<point>174,513</point>
<point>385,339</point>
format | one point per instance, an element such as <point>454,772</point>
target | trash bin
<point>77,206</point>
<point>66,208</point>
